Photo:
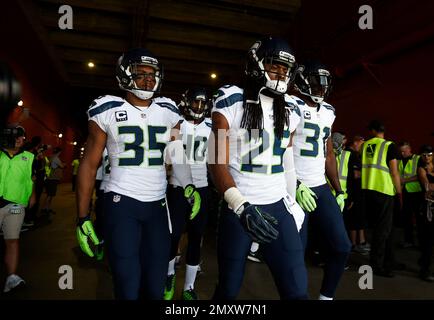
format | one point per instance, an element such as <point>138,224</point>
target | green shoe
<point>189,295</point>
<point>169,290</point>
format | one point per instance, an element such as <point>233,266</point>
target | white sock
<point>254,247</point>
<point>190,277</point>
<point>171,268</point>
<point>321,297</point>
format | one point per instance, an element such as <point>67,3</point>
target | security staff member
<point>411,190</point>
<point>380,183</point>
<point>16,191</point>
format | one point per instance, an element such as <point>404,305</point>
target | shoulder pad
<point>292,105</point>
<point>298,100</point>
<point>167,103</point>
<point>329,107</point>
<point>104,103</point>
<point>227,96</point>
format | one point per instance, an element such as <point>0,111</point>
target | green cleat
<point>189,295</point>
<point>169,290</point>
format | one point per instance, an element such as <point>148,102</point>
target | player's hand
<point>340,199</point>
<point>306,197</point>
<point>84,231</point>
<point>193,198</point>
<point>258,224</point>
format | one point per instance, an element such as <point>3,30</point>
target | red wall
<point>384,73</point>
<point>46,109</point>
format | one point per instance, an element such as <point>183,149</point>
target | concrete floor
<point>49,246</point>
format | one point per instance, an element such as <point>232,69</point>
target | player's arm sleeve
<point>295,113</point>
<point>99,111</point>
<point>290,175</point>
<point>175,156</point>
<point>170,110</point>
<point>226,98</point>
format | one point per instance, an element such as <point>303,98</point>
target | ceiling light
<point>213,76</point>
<point>90,64</point>
<point>74,143</point>
<point>60,135</point>
<point>20,103</point>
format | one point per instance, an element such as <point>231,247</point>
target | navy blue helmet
<point>195,103</point>
<point>270,51</point>
<point>127,72</point>
<point>314,80</point>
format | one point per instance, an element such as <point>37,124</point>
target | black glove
<point>258,224</point>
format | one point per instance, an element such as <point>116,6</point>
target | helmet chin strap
<point>195,116</point>
<point>313,98</point>
<point>142,94</point>
<point>317,99</point>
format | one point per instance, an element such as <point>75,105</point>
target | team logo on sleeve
<point>116,198</point>
<point>121,116</point>
<point>307,114</point>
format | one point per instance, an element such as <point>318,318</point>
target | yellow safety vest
<point>16,177</point>
<point>342,161</point>
<point>409,171</point>
<point>47,167</point>
<point>375,172</point>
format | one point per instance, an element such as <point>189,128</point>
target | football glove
<point>85,230</point>
<point>257,223</point>
<point>193,198</point>
<point>306,197</point>
<point>340,199</point>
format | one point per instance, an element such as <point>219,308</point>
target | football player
<point>138,134</point>
<point>195,131</point>
<point>251,136</point>
<point>314,158</point>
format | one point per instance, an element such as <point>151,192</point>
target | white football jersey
<point>195,140</point>
<point>255,160</point>
<point>105,165</point>
<point>310,142</point>
<point>136,139</point>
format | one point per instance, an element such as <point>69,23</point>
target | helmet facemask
<point>195,103</point>
<point>139,75</point>
<point>279,84</point>
<point>197,109</point>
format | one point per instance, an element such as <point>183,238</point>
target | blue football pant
<point>328,224</point>
<point>284,256</point>
<point>180,211</point>
<point>138,242</point>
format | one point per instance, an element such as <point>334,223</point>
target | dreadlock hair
<point>252,115</point>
